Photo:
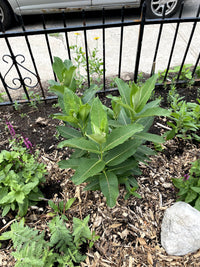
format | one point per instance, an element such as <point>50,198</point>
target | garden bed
<point>129,232</point>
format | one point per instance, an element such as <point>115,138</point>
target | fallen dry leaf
<point>115,225</point>
<point>141,241</point>
<point>149,258</point>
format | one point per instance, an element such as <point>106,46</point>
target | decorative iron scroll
<point>20,81</point>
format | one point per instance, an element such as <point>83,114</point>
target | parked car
<point>9,8</point>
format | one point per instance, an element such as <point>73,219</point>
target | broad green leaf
<point>69,163</point>
<point>58,67</point>
<point>133,182</point>
<point>58,89</point>
<point>152,104</point>
<point>115,124</point>
<point>93,185</point>
<point>71,102</point>
<point>68,132</point>
<point>19,196</point>
<point>191,195</point>
<point>26,189</point>
<point>68,76</point>
<point>123,118</point>
<point>183,192</point>
<point>89,94</point>
<point>124,90</point>
<point>122,152</point>
<point>197,204</point>
<point>98,115</point>
<point>116,107</point>
<point>134,89</point>
<point>3,192</point>
<point>153,112</point>
<point>84,112</point>
<point>78,153</point>
<point>178,182</point>
<point>124,166</point>
<point>145,150</point>
<point>6,209</point>
<point>9,198</point>
<point>63,117</point>
<point>120,102</point>
<point>35,195</point>
<point>146,122</point>
<point>143,94</point>
<point>170,134</point>
<point>120,135</point>
<point>196,189</point>
<point>150,137</point>
<point>69,203</point>
<point>86,169</point>
<point>68,63</point>
<point>80,143</point>
<point>109,186</point>
<point>98,138</point>
<point>23,207</point>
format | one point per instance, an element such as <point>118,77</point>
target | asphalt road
<point>53,20</point>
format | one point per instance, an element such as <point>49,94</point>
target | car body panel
<point>26,7</point>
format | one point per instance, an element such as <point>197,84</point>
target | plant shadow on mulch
<point>129,232</point>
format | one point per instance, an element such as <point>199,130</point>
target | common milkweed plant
<point>108,143</point>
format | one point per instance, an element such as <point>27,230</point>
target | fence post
<point>140,38</point>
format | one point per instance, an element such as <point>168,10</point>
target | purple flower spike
<point>11,129</point>
<point>186,176</point>
<point>27,143</point>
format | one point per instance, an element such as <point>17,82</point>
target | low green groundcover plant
<point>20,176</point>
<point>185,75</point>
<point>189,186</point>
<point>184,118</point>
<point>108,143</point>
<point>63,248</point>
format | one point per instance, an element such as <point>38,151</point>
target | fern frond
<point>29,255</point>
<point>60,235</point>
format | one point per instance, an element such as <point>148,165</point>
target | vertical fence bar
<point>140,38</point>
<point>195,66</point>
<point>188,45</point>
<point>86,49</point>
<point>158,42</point>
<point>104,51</point>
<point>6,89</point>
<point>174,42</point>
<point>32,57</point>
<point>66,36</point>
<point>121,42</point>
<point>48,45</point>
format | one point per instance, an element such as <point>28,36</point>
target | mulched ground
<point>129,232</point>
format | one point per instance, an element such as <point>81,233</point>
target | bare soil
<point>129,232</point>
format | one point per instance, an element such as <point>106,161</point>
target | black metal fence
<point>128,47</point>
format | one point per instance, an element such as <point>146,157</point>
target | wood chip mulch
<point>129,232</point>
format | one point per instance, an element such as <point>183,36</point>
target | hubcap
<point>1,15</point>
<point>157,6</point>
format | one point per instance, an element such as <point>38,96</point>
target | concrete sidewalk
<point>112,42</point>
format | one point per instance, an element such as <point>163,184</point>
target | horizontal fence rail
<point>126,48</point>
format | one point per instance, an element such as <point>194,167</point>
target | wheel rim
<point>1,15</point>
<point>157,6</point>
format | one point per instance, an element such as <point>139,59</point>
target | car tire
<point>6,15</point>
<point>155,10</point>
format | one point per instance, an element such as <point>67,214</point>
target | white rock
<point>180,229</point>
